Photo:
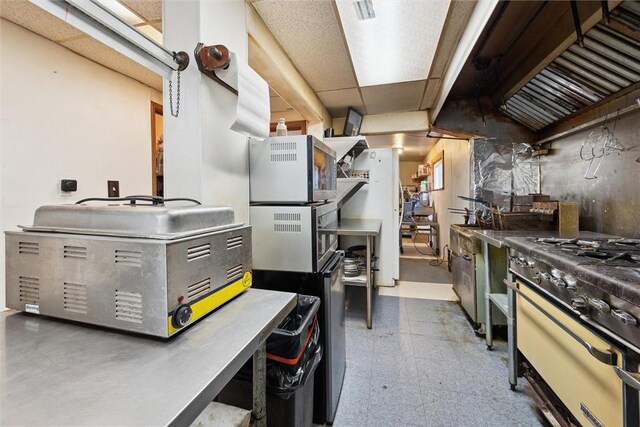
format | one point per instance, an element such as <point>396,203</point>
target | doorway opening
<point>157,150</point>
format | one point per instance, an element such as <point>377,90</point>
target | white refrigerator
<point>379,199</point>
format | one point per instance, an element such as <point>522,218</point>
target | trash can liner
<point>290,338</point>
<point>293,350</point>
<point>294,361</point>
<point>284,385</point>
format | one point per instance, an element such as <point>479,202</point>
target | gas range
<point>598,280</point>
<point>608,252</point>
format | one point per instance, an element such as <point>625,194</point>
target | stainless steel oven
<point>294,238</point>
<point>577,326</point>
<point>292,170</point>
<point>464,271</point>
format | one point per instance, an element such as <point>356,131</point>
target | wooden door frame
<point>156,109</point>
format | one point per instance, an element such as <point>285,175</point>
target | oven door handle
<point>605,356</point>
<point>629,378</point>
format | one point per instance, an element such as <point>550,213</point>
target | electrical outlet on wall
<point>113,188</point>
<point>68,187</point>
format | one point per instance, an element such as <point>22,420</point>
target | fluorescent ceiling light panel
<point>151,32</point>
<point>122,11</point>
<point>399,44</point>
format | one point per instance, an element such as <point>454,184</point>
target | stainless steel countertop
<point>497,237</point>
<point>60,373</point>
<point>359,227</point>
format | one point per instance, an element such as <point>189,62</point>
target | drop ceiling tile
<point>393,97</point>
<point>156,24</point>
<point>433,85</point>
<point>337,101</point>
<point>278,104</point>
<point>149,10</point>
<point>310,34</point>
<point>104,55</point>
<point>33,18</point>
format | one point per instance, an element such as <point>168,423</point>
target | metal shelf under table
<point>368,228</point>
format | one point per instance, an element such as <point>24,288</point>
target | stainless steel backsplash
<point>611,203</point>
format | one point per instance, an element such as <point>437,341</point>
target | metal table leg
<point>511,336</point>
<point>259,413</point>
<point>487,301</point>
<point>369,284</point>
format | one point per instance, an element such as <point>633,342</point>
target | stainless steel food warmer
<point>147,268</point>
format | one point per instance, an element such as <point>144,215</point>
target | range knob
<point>558,282</point>
<point>556,273</point>
<point>181,316</point>
<point>624,317</point>
<point>580,304</point>
<point>599,305</point>
<point>572,282</point>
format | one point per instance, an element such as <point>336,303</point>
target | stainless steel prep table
<point>60,373</point>
<point>507,302</point>
<point>369,228</point>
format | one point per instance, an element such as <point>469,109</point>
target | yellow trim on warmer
<point>215,300</point>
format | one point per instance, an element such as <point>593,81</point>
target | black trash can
<point>293,354</point>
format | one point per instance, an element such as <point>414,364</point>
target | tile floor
<point>422,365</point>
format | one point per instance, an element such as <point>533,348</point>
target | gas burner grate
<point>633,244</point>
<point>572,243</point>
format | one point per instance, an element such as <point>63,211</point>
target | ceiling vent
<point>580,76</point>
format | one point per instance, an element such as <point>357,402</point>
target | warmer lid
<point>178,218</point>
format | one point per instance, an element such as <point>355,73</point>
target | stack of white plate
<point>351,268</point>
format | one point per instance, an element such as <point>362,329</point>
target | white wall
<point>456,183</point>
<point>406,170</point>
<point>316,129</point>
<point>64,116</point>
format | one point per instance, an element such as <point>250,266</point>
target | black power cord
<point>434,262</point>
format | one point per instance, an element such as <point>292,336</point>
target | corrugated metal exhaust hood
<point>581,76</point>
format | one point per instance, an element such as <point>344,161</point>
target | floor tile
<point>421,290</point>
<point>395,404</point>
<point>447,408</point>
<point>354,401</point>
<point>392,343</point>
<point>443,374</point>
<point>431,348</point>
<point>429,329</point>
<point>395,368</point>
<point>422,365</point>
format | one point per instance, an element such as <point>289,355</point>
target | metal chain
<point>177,97</point>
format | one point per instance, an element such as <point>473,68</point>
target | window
<point>438,172</point>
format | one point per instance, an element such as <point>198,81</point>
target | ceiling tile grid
<point>308,31</point>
